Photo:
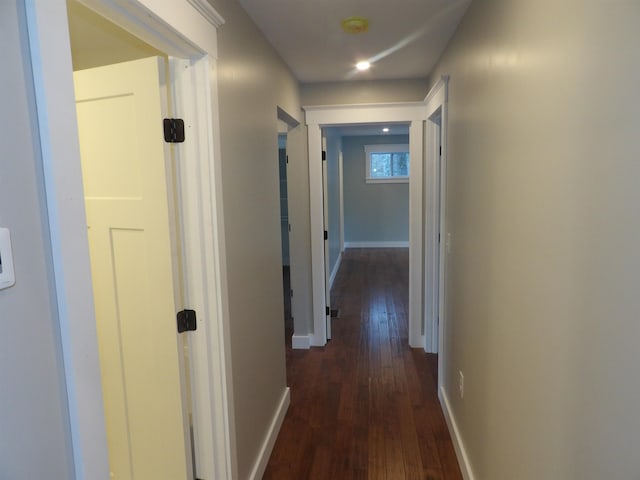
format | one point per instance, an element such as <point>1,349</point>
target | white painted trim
<point>334,115</point>
<point>175,27</point>
<point>319,335</point>
<point>300,342</point>
<point>454,431</point>
<point>205,9</point>
<point>400,244</point>
<point>272,434</point>
<point>438,98</point>
<point>341,185</point>
<point>334,271</point>
<point>416,220</point>
<point>180,31</point>
<point>204,271</point>
<point>57,127</point>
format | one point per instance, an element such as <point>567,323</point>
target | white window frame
<point>395,148</point>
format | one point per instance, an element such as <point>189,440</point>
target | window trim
<point>385,148</point>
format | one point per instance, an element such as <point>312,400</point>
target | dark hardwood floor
<point>365,406</point>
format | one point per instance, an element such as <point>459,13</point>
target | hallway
<point>365,406</point>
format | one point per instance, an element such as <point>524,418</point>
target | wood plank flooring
<point>365,406</point>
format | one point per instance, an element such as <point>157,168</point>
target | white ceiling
<point>405,37</point>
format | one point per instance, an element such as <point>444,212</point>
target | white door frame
<point>434,215</point>
<point>316,118</point>
<point>184,29</point>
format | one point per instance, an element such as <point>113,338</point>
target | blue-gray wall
<point>333,192</point>
<point>373,212</point>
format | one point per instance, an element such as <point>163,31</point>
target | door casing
<point>318,117</point>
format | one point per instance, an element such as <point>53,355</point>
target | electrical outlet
<point>461,384</point>
<point>448,244</point>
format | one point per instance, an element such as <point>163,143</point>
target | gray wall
<point>346,93</point>
<point>544,270</point>
<point>372,212</point>
<point>34,421</point>
<point>253,81</point>
<point>334,146</point>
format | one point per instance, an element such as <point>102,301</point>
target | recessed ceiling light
<point>385,129</point>
<point>355,25</point>
<point>363,65</point>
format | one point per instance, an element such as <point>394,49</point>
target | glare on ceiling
<point>363,65</point>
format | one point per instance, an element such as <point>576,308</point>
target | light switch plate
<point>7,275</point>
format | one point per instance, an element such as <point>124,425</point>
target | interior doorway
<point>132,225</point>
<point>286,123</point>
<point>136,290</point>
<point>326,116</point>
<point>363,207</point>
<point>283,160</point>
<point>192,63</point>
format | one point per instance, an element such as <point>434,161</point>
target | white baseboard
<point>272,435</point>
<point>300,342</point>
<point>334,272</point>
<point>376,244</point>
<point>461,452</point>
<point>419,343</point>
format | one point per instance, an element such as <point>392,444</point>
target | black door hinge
<point>327,310</point>
<point>324,155</point>
<point>173,130</point>
<point>440,149</point>
<point>326,235</point>
<point>287,159</point>
<point>186,321</point>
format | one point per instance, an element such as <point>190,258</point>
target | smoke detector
<point>355,25</point>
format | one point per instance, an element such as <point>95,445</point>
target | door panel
<point>123,163</point>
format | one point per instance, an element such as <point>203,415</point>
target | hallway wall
<point>34,420</point>
<point>253,81</point>
<point>354,92</point>
<point>543,273</point>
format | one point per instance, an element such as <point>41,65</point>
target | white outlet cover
<point>7,275</point>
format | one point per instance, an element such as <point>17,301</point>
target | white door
<point>327,267</point>
<point>125,183</point>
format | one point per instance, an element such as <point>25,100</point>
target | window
<point>387,163</point>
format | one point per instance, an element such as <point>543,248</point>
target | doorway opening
<point>286,123</point>
<point>133,230</point>
<point>364,207</point>
<point>283,160</point>
<point>320,117</point>
<point>192,62</point>
<point>423,244</point>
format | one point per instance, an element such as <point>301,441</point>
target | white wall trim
<point>317,117</point>
<point>435,165</point>
<point>458,444</point>
<point>272,434</point>
<point>401,244</point>
<point>334,272</point>
<point>205,9</point>
<point>180,31</point>
<point>177,28</point>
<point>341,184</point>
<point>300,342</point>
